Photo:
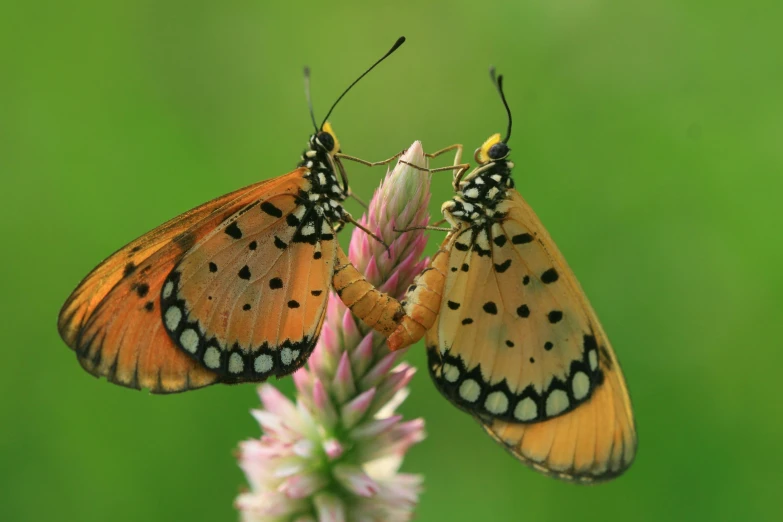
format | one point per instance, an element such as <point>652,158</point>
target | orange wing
<point>249,298</point>
<point>113,318</point>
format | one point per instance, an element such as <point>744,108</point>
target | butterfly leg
<point>435,226</point>
<point>349,218</point>
<point>344,175</point>
<point>377,310</point>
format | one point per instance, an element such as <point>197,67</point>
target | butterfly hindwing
<point>247,301</point>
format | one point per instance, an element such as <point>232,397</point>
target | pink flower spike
<point>303,382</point>
<point>333,449</point>
<point>274,401</point>
<point>362,355</point>
<point>324,409</point>
<point>374,428</point>
<point>302,486</point>
<point>329,508</point>
<point>335,454</point>
<point>354,411</point>
<point>351,333</point>
<point>356,480</point>
<point>379,371</point>
<point>343,386</point>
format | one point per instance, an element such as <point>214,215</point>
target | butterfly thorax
<point>325,194</point>
<point>479,194</point>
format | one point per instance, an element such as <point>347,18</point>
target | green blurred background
<point>648,139</point>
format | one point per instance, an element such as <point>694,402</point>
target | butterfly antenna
<point>397,44</point>
<point>498,82</point>
<point>309,98</point>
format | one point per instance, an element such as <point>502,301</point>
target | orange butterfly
<point>511,337</point>
<point>232,291</point>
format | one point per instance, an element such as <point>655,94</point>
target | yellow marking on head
<point>483,153</point>
<point>327,127</point>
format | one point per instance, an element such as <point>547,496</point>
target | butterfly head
<point>494,149</point>
<point>325,140</point>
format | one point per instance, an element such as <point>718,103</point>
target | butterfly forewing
<point>248,299</point>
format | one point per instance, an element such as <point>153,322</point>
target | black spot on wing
<point>523,311</point>
<point>502,267</point>
<point>480,251</point>
<point>293,304</point>
<point>244,273</point>
<point>500,240</point>
<point>453,305</point>
<point>270,209</point>
<point>521,239</point>
<point>279,243</point>
<point>555,316</point>
<point>128,270</point>
<point>275,283</point>
<point>550,276</point>
<point>253,245</point>
<point>234,231</point>
<point>467,321</point>
<point>141,289</point>
<point>491,308</point>
<point>212,267</point>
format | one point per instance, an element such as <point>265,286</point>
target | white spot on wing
<point>212,357</point>
<point>325,228</point>
<point>496,402</point>
<point>168,289</point>
<point>469,390</point>
<point>492,192</point>
<point>321,178</point>
<point>173,317</point>
<point>472,193</point>
<point>189,339</point>
<point>300,212</point>
<point>235,363</point>
<point>526,409</point>
<point>593,358</point>
<point>308,229</point>
<point>450,372</point>
<point>580,385</point>
<point>556,403</point>
<point>263,363</point>
<point>496,177</point>
<point>286,356</point>
<point>482,240</point>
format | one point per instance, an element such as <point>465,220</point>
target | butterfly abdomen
<point>377,310</point>
<point>422,302</point>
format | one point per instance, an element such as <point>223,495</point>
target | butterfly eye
<point>326,140</point>
<point>498,151</point>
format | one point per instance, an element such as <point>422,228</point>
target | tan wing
<point>518,345</point>
<point>113,319</point>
